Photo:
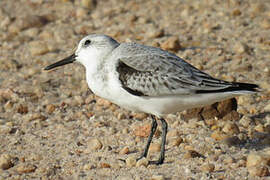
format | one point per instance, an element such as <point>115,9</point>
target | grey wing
<point>164,74</point>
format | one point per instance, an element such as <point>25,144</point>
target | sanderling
<point>148,79</point>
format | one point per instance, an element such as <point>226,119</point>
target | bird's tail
<point>235,88</point>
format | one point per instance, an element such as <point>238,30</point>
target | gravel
<point>53,127</point>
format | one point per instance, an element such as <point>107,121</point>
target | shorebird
<point>148,79</point>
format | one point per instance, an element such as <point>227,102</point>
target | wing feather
<point>151,71</point>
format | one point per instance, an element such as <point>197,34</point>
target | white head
<point>91,49</point>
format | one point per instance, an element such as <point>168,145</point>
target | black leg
<point>163,142</point>
<point>153,130</point>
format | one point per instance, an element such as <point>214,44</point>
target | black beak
<point>68,60</point>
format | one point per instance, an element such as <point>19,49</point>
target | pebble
<point>25,168</point>
<point>265,24</point>
<point>232,116</point>
<point>5,161</point>
<point>172,44</point>
<point>103,102</point>
<point>245,121</point>
<point>208,167</point>
<point>38,48</point>
<point>260,171</point>
<point>87,167</point>
<point>35,116</point>
<point>28,21</point>
<point>230,128</point>
<point>142,162</point>
<point>90,4</point>
<point>22,109</point>
<point>192,154</point>
<point>142,131</point>
<point>175,141</point>
<point>139,116</point>
<point>173,133</point>
<point>105,165</point>
<point>154,147</point>
<point>218,135</point>
<point>259,128</point>
<point>94,144</point>
<point>131,161</point>
<point>254,160</point>
<point>155,33</point>
<point>125,150</point>
<point>5,129</point>
<point>240,48</point>
<point>226,106</point>
<point>50,108</point>
<point>157,177</point>
<point>267,107</point>
<point>82,13</point>
<point>236,12</point>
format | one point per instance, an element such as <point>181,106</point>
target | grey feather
<point>151,71</point>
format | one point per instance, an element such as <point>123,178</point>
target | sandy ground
<point>53,127</point>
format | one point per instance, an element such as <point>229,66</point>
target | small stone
<point>259,170</point>
<point>157,177</point>
<point>154,147</point>
<point>226,106</point>
<point>229,160</point>
<point>142,131</point>
<point>254,160</point>
<point>50,108</point>
<point>236,12</point>
<point>81,12</point>
<point>94,144</point>
<point>79,100</point>
<point>29,21</point>
<point>173,133</point>
<point>265,24</point>
<point>125,150</point>
<point>142,162</point>
<point>5,161</point>
<point>131,161</point>
<point>218,135</point>
<point>139,116</point>
<point>38,48</point>
<point>4,129</point>
<point>230,128</point>
<point>267,107</point>
<point>175,141</point>
<point>22,109</point>
<point>259,128</point>
<point>87,167</point>
<point>45,35</point>
<point>26,168</point>
<point>172,44</point>
<point>8,105</point>
<point>245,121</point>
<point>240,48</point>
<point>32,32</point>
<point>232,116</point>
<point>156,33</point>
<point>208,167</point>
<point>192,154</point>
<point>36,116</point>
<point>90,4</point>
<point>105,165</point>
<point>103,102</point>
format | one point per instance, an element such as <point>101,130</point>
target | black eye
<point>87,42</point>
